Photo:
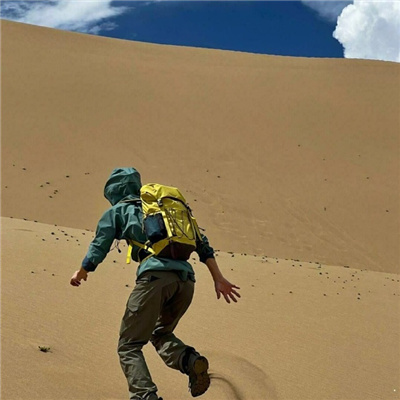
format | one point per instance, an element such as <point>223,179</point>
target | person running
<point>162,294</point>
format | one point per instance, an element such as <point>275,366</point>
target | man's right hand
<point>78,276</point>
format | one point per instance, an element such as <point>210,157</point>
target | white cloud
<point>329,10</point>
<point>370,29</point>
<point>88,16</point>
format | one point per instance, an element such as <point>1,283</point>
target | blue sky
<point>280,28</point>
<point>324,28</point>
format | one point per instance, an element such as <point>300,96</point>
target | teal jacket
<point>123,220</point>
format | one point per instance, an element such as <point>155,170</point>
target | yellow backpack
<point>171,230</point>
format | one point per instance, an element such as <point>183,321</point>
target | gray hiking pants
<point>153,310</point>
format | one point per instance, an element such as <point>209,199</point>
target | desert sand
<point>291,165</point>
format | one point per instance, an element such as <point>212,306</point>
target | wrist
<point>217,276</point>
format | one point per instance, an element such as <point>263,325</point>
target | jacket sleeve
<point>204,250</point>
<point>106,232</point>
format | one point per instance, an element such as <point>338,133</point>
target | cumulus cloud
<point>329,10</point>
<point>89,16</point>
<point>370,29</point>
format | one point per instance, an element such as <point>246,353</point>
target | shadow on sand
<point>235,393</point>
<point>243,380</point>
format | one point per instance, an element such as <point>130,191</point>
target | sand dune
<point>301,330</point>
<point>291,165</point>
<point>291,157</point>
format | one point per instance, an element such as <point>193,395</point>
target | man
<point>163,292</point>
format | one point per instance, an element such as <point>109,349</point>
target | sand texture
<point>291,165</point>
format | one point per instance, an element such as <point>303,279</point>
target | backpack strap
<point>140,245</point>
<point>132,242</point>
<point>197,230</point>
<point>194,225</point>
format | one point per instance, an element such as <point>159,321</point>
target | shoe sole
<point>199,378</point>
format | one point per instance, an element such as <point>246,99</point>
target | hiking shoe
<point>199,380</point>
<point>152,396</point>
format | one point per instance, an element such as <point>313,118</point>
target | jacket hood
<point>123,183</point>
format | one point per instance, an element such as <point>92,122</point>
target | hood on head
<point>122,183</point>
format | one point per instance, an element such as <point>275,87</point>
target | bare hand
<point>78,276</point>
<point>227,289</point>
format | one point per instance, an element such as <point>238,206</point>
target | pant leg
<point>141,314</point>
<point>179,296</point>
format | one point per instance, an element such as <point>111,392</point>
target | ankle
<point>188,358</point>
